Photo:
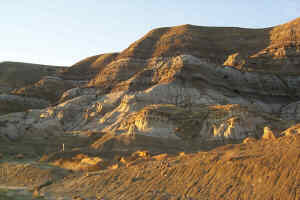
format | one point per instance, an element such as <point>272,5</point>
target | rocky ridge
<point>179,82</point>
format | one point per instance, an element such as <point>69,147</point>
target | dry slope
<point>259,170</point>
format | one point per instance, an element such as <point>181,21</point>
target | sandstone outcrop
<point>268,134</point>
<point>293,130</point>
<point>185,83</point>
<point>249,140</point>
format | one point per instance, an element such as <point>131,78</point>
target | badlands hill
<point>17,74</point>
<point>28,82</point>
<point>129,116</point>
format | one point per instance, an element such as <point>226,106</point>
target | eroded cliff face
<point>182,97</point>
<point>279,54</point>
<point>186,83</point>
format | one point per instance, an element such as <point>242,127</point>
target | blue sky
<point>62,32</point>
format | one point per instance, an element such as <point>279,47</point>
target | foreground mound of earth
<point>255,169</point>
<point>261,170</point>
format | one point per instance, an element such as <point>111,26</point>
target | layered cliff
<point>187,82</point>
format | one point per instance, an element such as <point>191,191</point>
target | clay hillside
<point>185,112</point>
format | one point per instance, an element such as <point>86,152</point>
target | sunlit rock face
<point>293,130</point>
<point>184,83</point>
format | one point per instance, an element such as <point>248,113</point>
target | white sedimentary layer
<point>119,112</point>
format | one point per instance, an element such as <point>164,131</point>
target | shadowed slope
<point>17,77</point>
<point>89,67</point>
<point>17,74</point>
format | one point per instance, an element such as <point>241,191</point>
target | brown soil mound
<point>15,74</point>
<point>261,170</point>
